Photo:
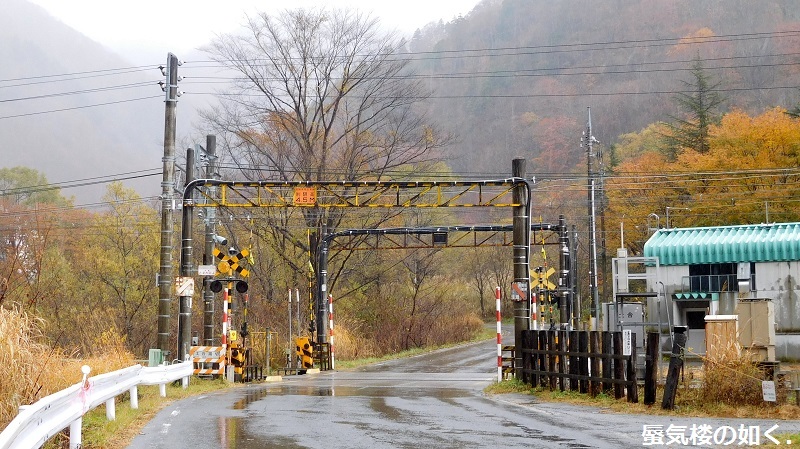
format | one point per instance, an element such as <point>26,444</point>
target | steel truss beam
<point>423,237</point>
<point>375,194</point>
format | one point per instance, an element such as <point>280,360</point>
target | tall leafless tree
<point>320,95</point>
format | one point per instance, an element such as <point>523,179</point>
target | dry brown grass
<point>31,369</point>
<point>350,346</point>
<point>731,377</point>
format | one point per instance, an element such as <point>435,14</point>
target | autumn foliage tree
<point>748,175</point>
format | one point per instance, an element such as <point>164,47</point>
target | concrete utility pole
<point>187,253</point>
<point>208,249</point>
<point>165,272</point>
<point>521,241</point>
<point>588,140</point>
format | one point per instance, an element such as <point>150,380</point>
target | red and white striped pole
<point>534,313</point>
<point>499,336</point>
<point>330,327</point>
<point>225,327</point>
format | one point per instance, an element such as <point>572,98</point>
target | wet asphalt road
<point>429,401</point>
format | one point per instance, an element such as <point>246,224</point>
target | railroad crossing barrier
<point>40,421</point>
<point>208,360</point>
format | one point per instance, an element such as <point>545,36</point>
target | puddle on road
<point>233,435</point>
<point>232,431</point>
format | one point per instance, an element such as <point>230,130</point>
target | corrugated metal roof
<point>775,242</point>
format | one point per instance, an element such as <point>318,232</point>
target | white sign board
<point>211,352</point>
<point>185,286</point>
<point>768,390</point>
<point>626,342</point>
<point>206,270</point>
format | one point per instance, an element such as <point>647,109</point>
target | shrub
<point>32,369</point>
<point>731,377</point>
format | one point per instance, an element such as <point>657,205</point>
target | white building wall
<point>778,281</point>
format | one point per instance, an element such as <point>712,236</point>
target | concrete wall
<point>778,281</point>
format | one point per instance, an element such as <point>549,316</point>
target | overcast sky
<point>144,31</point>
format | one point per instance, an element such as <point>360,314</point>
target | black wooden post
<point>607,361</point>
<point>562,359</point>
<point>551,358</point>
<point>594,349</point>
<point>522,372</point>
<point>543,358</point>
<point>633,386</point>
<point>583,361</point>
<point>531,339</point>
<point>619,365</point>
<point>573,360</point>
<point>651,367</point>
<point>675,366</point>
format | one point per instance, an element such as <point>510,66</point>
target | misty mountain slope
<point>535,66</point>
<point>82,141</point>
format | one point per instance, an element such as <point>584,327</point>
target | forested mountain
<point>49,67</point>
<point>514,78</point>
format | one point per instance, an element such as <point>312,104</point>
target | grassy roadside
<point>99,433</point>
<point>687,405</point>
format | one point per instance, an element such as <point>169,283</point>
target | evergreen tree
<point>699,103</point>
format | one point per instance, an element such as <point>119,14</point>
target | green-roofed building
<point>705,271</point>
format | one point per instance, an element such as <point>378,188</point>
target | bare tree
<point>319,95</point>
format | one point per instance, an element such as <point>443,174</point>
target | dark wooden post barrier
<point>552,347</point>
<point>633,387</point>
<point>543,379</point>
<point>619,365</point>
<point>562,359</point>
<point>607,361</point>
<point>675,366</point>
<point>595,350</point>
<point>583,360</point>
<point>533,358</point>
<point>573,360</point>
<point>524,372</point>
<point>651,367</point>
<point>536,359</point>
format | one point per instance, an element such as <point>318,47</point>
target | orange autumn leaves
<point>749,175</point>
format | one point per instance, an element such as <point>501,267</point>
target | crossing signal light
<point>241,286</point>
<point>216,286</point>
<point>305,351</point>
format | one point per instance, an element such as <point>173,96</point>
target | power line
<point>81,182</point>
<point>78,92</point>
<point>80,107</point>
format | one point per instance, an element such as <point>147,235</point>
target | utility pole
<point>588,141</point>
<point>208,249</point>
<point>521,241</point>
<point>187,253</point>
<point>165,272</point>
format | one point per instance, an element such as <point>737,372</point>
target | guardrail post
<point>111,411</point>
<point>162,390</point>
<point>75,439</point>
<point>134,392</point>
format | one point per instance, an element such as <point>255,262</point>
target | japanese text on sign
<point>706,435</point>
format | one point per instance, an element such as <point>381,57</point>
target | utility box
<point>757,328</point>
<point>155,357</point>
<point>721,331</point>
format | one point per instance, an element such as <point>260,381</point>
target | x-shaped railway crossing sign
<point>230,263</point>
<point>541,278</point>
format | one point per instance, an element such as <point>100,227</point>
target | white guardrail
<point>40,421</point>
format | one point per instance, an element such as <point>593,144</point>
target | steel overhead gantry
<point>466,237</point>
<point>512,192</point>
<point>459,236</point>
